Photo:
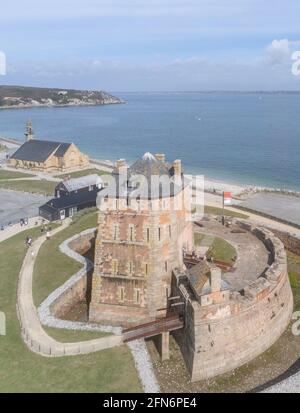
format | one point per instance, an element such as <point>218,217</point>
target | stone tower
<point>29,130</point>
<point>141,238</point>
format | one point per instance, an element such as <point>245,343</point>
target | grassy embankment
<point>52,268</point>
<point>219,248</point>
<point>21,370</point>
<point>83,172</point>
<point>218,211</point>
<point>294,273</point>
<point>31,186</point>
<point>4,174</point>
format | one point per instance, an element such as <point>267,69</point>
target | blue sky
<point>147,45</point>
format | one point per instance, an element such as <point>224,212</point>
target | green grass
<point>72,336</point>
<point>110,370</point>
<point>37,187</point>
<point>3,147</point>
<point>218,211</point>
<point>294,274</point>
<point>52,268</point>
<point>220,249</point>
<point>84,172</point>
<point>13,175</point>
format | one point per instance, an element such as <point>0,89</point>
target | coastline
<point>60,105</point>
<point>212,185</point>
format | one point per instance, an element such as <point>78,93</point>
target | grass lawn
<point>4,174</point>
<point>21,370</point>
<point>84,172</point>
<point>52,268</point>
<point>72,336</point>
<point>220,249</point>
<point>37,187</point>
<point>218,211</point>
<point>294,273</point>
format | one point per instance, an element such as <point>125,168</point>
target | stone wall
<point>219,338</point>
<point>69,298</point>
<point>77,292</point>
<point>291,242</point>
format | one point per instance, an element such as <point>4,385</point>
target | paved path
<point>15,229</point>
<point>33,334</point>
<point>252,256</point>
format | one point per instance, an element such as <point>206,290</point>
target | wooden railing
<point>153,328</point>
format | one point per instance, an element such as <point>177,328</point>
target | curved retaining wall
<point>219,338</point>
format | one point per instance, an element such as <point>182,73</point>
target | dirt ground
<point>254,376</point>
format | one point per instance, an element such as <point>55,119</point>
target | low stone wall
<point>75,293</point>
<point>219,338</point>
<point>73,290</point>
<point>291,242</point>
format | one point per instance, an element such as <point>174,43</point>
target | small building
<point>47,156</point>
<point>76,185</point>
<point>71,196</point>
<point>67,206</point>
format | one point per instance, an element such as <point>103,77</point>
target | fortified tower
<point>143,229</point>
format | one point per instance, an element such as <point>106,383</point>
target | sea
<point>246,138</point>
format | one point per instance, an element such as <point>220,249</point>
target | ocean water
<point>242,138</point>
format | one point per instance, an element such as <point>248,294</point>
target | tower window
<point>148,234</point>
<point>166,266</point>
<point>121,294</point>
<point>170,232</point>
<point>114,267</point>
<point>130,267</point>
<point>131,233</point>
<point>159,234</point>
<point>136,296</point>
<point>115,232</point>
<point>146,269</point>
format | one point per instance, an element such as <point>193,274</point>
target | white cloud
<point>280,51</point>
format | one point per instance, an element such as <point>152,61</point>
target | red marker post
<point>227,200</point>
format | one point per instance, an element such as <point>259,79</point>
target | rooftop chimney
<point>121,165</point>
<point>160,157</point>
<point>29,130</point>
<point>215,279</point>
<point>177,167</point>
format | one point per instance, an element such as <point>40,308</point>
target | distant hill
<point>24,96</point>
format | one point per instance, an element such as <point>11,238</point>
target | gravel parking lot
<point>16,205</point>
<point>280,206</point>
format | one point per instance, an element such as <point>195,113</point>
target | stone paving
<point>252,256</point>
<point>17,205</point>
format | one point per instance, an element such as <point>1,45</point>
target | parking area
<point>17,205</point>
<point>278,205</point>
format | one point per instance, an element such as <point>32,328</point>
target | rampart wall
<point>222,337</point>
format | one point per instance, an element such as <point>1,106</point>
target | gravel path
<point>290,385</point>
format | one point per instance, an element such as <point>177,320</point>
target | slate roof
<point>199,279</point>
<point>36,150</point>
<point>75,184</point>
<point>148,165</point>
<point>151,168</point>
<point>71,200</point>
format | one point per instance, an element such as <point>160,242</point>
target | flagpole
<point>223,219</point>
